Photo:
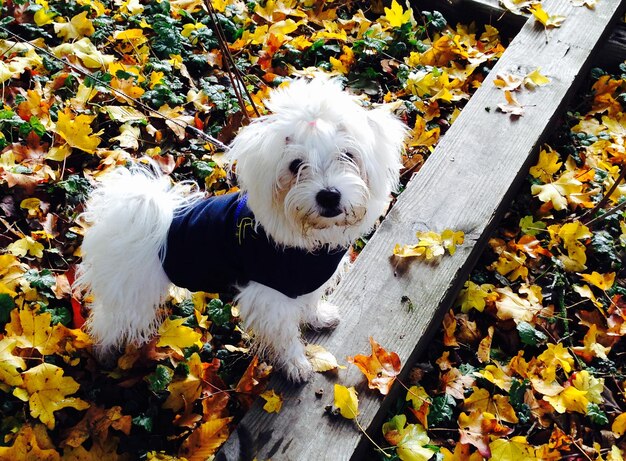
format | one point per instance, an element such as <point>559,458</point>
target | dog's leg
<point>275,321</point>
<point>319,313</point>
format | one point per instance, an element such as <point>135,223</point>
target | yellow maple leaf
<point>570,235</point>
<point>396,14</point>
<point>585,292</point>
<point>497,404</point>
<point>32,329</point>
<point>78,27</point>
<point>450,239</point>
<point>421,136</point>
<point>44,15</point>
<point>535,79</point>
<point>77,131</point>
<point>422,83</point>
<point>547,165</point>
<point>47,390</point>
<point>187,390</point>
<point>9,363</point>
<point>175,335</point>
<point>570,399</point>
<point>347,402</point>
<point>515,449</point>
<point>585,381</point>
<point>273,401</point>
<point>320,358</point>
<point>431,245</point>
<point>556,192</point>
<point>345,61</point>
<point>474,296</point>
<point>206,439</point>
<point>512,265</point>
<point>619,424</point>
<point>420,403</point>
<point>555,356</point>
<point>602,281</point>
<point>412,445</point>
<point>26,245</point>
<point>496,375</point>
<point>86,51</point>
<point>32,443</point>
<point>544,18</point>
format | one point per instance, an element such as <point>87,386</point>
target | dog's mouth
<point>336,217</point>
<point>330,212</point>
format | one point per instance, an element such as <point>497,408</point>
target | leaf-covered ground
<point>530,363</point>
<point>90,85</point>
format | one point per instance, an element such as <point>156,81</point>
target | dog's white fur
<point>336,144</point>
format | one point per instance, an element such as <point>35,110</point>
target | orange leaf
<point>531,246</point>
<point>253,382</point>
<point>380,368</point>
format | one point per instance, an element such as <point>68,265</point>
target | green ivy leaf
<point>219,313</point>
<point>596,415</point>
<point>441,410</point>
<point>6,306</point>
<point>160,379</point>
<point>529,335</point>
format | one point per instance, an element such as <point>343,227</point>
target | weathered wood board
<point>466,185</point>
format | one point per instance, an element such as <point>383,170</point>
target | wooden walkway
<point>467,185</point>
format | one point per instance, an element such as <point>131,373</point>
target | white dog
<point>314,175</point>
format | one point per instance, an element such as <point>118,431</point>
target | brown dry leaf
<point>96,423</point>
<point>484,347</point>
<point>253,382</point>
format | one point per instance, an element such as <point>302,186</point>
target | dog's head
<point>320,169</point>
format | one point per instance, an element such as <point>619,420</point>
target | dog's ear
<point>389,135</point>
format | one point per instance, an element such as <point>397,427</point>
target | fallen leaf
<point>512,106</point>
<point>320,358</point>
<point>47,390</point>
<point>346,401</point>
<point>273,401</point>
<point>380,368</point>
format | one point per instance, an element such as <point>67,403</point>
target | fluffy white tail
<point>129,216</point>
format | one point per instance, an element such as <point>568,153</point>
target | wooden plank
<point>466,185</point>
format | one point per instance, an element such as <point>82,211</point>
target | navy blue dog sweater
<point>216,244</point>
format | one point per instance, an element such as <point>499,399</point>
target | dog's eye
<point>295,165</point>
<point>349,156</point>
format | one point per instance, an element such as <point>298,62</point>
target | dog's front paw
<point>298,369</point>
<point>325,315</point>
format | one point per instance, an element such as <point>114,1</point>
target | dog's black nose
<point>328,199</point>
